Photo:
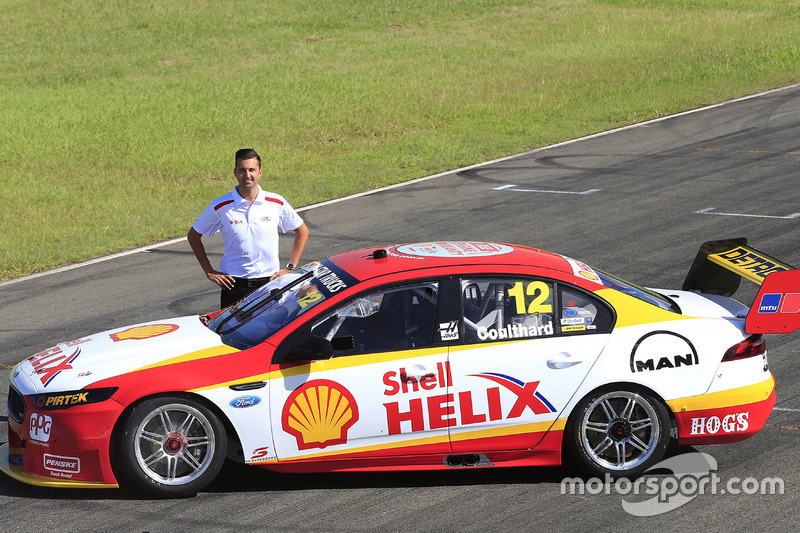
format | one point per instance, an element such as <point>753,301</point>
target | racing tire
<point>619,432</point>
<point>171,447</point>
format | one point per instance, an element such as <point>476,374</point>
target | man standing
<point>248,218</point>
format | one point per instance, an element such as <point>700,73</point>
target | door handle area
<point>563,360</point>
<point>415,372</point>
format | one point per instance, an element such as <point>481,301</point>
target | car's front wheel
<point>171,447</point>
<point>618,432</point>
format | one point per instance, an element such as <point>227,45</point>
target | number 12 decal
<point>539,290</point>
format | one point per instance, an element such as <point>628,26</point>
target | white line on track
<point>410,182</point>
<point>511,188</point>
<point>710,211</point>
<point>786,409</point>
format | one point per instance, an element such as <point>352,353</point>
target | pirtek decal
<point>61,400</point>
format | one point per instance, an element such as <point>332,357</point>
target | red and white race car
<point>421,356</point>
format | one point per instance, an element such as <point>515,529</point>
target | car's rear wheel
<point>618,432</point>
<point>171,447</point>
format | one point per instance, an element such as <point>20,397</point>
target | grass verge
<point>121,117</point>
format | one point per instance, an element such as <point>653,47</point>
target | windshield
<point>641,293</point>
<point>271,307</point>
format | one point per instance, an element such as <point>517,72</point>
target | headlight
<point>16,405</point>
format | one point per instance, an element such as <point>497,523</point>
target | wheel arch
<point>230,431</point>
<point>618,385</point>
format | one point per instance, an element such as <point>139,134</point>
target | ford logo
<point>245,401</point>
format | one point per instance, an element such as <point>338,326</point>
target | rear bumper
<point>726,416</point>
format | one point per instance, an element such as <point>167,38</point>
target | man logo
<point>659,350</point>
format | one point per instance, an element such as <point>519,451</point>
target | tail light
<point>750,347</point>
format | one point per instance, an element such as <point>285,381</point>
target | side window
<point>582,313</point>
<point>507,309</point>
<point>386,320</point>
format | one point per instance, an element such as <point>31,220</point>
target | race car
<point>424,356</point>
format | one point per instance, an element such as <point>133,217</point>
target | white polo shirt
<point>249,231</point>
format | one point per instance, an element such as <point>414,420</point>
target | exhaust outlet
<point>467,460</point>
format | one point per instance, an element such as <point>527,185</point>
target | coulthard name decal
<point>514,331</point>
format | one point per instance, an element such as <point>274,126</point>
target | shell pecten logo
<point>319,413</point>
<point>143,332</point>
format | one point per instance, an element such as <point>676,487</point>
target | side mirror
<point>312,349</point>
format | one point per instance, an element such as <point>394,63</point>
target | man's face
<point>247,172</point>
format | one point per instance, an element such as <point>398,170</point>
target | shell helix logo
<point>138,333</point>
<point>319,414</point>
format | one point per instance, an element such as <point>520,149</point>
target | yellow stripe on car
<point>716,400</point>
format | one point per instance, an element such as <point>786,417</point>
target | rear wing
<point>719,267</point>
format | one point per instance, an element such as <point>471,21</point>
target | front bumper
<point>62,448</point>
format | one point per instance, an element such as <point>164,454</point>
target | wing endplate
<point>777,306</point>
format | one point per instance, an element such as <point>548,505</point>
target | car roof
<point>367,263</point>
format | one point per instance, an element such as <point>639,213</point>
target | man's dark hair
<point>247,153</point>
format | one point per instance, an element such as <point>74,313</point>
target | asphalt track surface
<point>637,202</point>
